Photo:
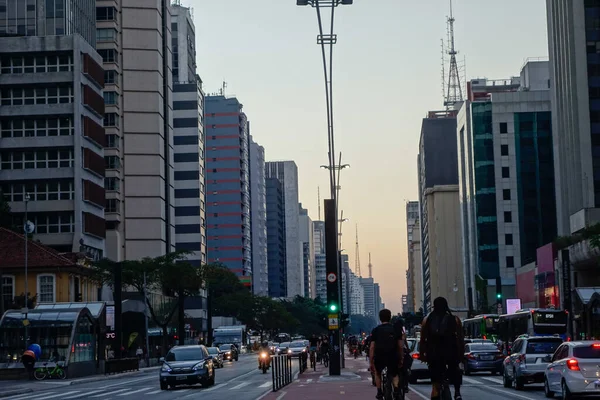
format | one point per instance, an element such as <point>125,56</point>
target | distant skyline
<point>387,76</point>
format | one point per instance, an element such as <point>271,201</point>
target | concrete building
<point>287,173</point>
<point>308,253</point>
<point>437,166</point>
<point>320,265</point>
<point>276,247</point>
<point>412,218</point>
<point>345,294</point>
<point>377,300</point>
<point>414,260</point>
<point>189,139</point>
<point>258,218</point>
<point>147,107</point>
<point>575,91</point>
<point>368,285</point>
<point>228,185</point>
<point>357,296</point>
<point>507,180</point>
<point>51,110</point>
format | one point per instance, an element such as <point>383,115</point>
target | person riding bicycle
<point>441,347</point>
<point>324,350</point>
<point>314,345</point>
<point>385,351</point>
<point>407,361</point>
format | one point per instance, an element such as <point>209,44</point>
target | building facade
<point>308,253</point>
<point>414,254</point>
<point>320,265</point>
<point>228,186</point>
<point>258,213</point>
<point>276,246</point>
<point>437,166</point>
<point>51,110</point>
<point>189,140</point>
<point>412,218</point>
<point>287,173</point>
<point>368,285</point>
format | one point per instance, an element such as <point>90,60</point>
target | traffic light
<point>499,289</point>
<point>333,307</point>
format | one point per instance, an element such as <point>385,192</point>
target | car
<point>296,348</point>
<point>478,341</point>
<point>273,347</point>
<point>528,360</point>
<point>186,365</point>
<point>482,357</point>
<point>412,342</point>
<point>574,370</point>
<point>229,352</point>
<point>216,356</point>
<point>419,369</point>
<point>283,348</point>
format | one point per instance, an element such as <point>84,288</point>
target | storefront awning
<point>588,294</point>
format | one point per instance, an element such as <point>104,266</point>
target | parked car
<point>482,358</point>
<point>216,356</point>
<point>574,370</point>
<point>186,365</point>
<point>229,352</point>
<point>528,360</point>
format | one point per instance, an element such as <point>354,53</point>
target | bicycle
<point>313,363</point>
<point>325,359</point>
<point>388,387</point>
<point>44,372</point>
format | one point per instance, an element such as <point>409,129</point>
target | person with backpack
<point>386,350</point>
<point>441,347</point>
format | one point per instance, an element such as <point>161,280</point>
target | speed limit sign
<point>331,277</point>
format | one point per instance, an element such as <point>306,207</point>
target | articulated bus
<point>533,322</point>
<point>484,326</point>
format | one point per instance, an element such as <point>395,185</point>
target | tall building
<point>377,300</point>
<point>345,294</point>
<point>414,254</point>
<point>276,248</point>
<point>357,296</point>
<point>575,91</point>
<point>368,285</point>
<point>258,217</point>
<point>228,185</point>
<point>147,107</point>
<point>189,140</point>
<point>287,173</point>
<point>507,195</point>
<point>320,265</point>
<point>412,218</point>
<point>308,253</point>
<point>437,168</point>
<point>51,110</point>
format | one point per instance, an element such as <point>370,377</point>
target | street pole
<point>146,322</point>
<point>26,231</point>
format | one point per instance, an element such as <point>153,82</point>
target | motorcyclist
<point>264,348</point>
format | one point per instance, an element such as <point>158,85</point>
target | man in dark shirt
<point>386,350</point>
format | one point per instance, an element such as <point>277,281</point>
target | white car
<point>574,370</point>
<point>419,369</point>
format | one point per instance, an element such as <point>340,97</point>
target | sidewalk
<point>354,383</point>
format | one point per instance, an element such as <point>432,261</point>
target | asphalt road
<point>240,380</point>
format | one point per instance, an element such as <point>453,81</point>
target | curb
<point>15,392</point>
<point>112,377</point>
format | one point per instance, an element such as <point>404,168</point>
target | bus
<point>484,326</point>
<point>533,322</point>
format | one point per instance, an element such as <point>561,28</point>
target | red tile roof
<point>12,253</point>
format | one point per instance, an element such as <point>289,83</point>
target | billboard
<point>513,305</point>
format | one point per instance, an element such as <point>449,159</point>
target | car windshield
<point>213,350</point>
<point>285,344</point>
<point>225,347</point>
<point>587,351</point>
<point>411,343</point>
<point>297,344</point>
<point>483,347</point>
<point>183,354</point>
<point>542,347</point>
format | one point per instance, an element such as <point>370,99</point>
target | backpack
<point>386,341</point>
<point>442,334</point>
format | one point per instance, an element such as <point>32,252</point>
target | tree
<point>310,314</point>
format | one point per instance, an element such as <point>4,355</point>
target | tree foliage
<point>310,314</point>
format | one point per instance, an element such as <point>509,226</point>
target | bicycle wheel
<point>446,393</point>
<point>40,374</point>
<point>60,373</point>
<point>326,361</point>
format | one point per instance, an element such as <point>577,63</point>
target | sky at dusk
<point>387,75</point>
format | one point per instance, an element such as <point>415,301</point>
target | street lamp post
<point>26,308</point>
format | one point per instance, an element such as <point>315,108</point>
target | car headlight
<point>166,368</point>
<point>228,353</point>
<point>290,351</point>
<point>198,366</point>
<point>304,350</point>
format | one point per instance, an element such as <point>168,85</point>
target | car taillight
<point>522,358</point>
<point>499,356</point>
<point>573,365</point>
<point>416,356</point>
<point>596,345</point>
<point>470,356</point>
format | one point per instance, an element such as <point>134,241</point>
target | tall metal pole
<point>146,322</point>
<point>26,231</point>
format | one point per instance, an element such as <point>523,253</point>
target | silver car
<point>528,360</point>
<point>296,348</point>
<point>574,370</point>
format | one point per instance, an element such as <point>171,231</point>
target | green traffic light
<point>333,307</point>
<point>498,296</point>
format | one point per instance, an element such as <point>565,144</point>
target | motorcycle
<point>265,360</point>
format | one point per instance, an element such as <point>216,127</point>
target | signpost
<point>331,277</point>
<point>334,322</point>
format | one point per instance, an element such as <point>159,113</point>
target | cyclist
<point>314,345</point>
<point>441,347</point>
<point>324,349</point>
<point>385,351</point>
<point>407,361</point>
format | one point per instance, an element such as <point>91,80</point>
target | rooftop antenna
<point>319,201</point>
<point>357,256</point>
<point>454,92</point>
<point>223,87</point>
<point>370,267</point>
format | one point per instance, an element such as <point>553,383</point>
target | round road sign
<point>331,277</point>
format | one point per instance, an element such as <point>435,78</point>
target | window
<point>38,64</point>
<point>39,95</point>
<point>112,141</point>
<point>504,150</point>
<point>52,223</point>
<point>39,159</point>
<point>40,191</point>
<point>505,172</point>
<point>111,98</point>
<point>510,262</point>
<point>8,290</point>
<point>503,127</point>
<point>112,162</point>
<point>112,205</point>
<point>111,119</point>
<point>110,77</point>
<point>40,127</point>
<point>506,194</point>
<point>508,239</point>
<point>46,289</point>
<point>108,55</point>
<point>112,183</point>
<point>106,34</point>
<point>106,14</point>
<point>507,216</point>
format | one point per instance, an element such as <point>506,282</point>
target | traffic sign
<point>333,322</point>
<point>331,277</point>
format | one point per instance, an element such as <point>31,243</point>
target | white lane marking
<point>127,382</point>
<point>86,394</point>
<point>241,385</point>
<point>155,392</point>
<point>284,393</point>
<point>135,391</point>
<point>183,391</point>
<point>110,393</point>
<point>469,380</point>
<point>266,384</point>
<point>26,396</point>
<point>495,380</point>
<point>507,393</point>
<point>308,380</point>
<point>61,394</point>
<point>218,386</point>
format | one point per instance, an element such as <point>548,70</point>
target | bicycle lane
<point>354,383</point>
